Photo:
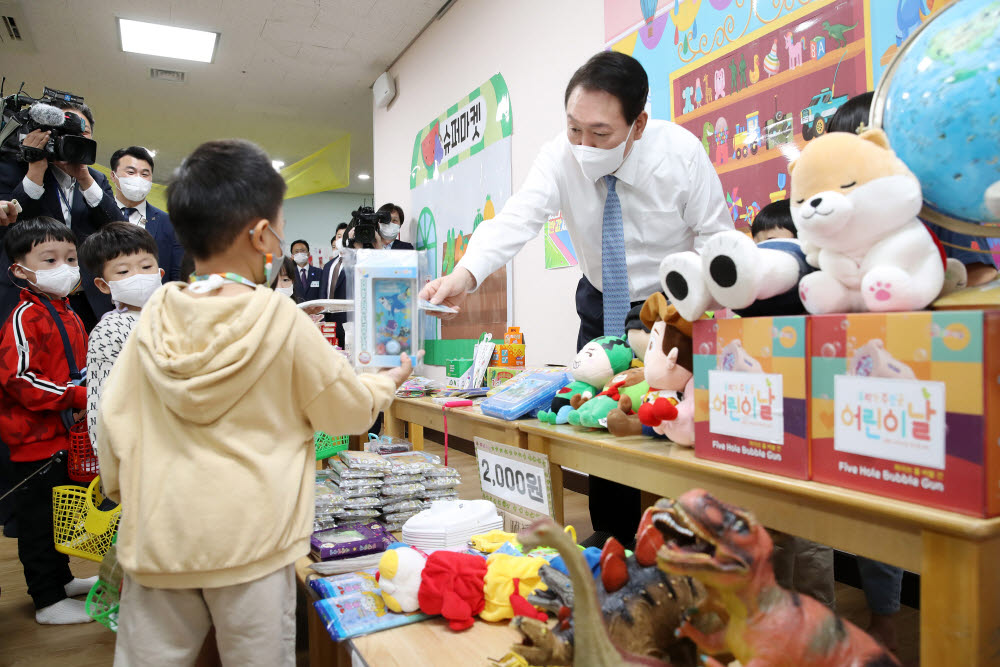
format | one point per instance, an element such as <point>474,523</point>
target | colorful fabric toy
<point>594,413</point>
<point>855,205</point>
<point>499,586</point>
<point>669,407</point>
<point>399,575</point>
<point>592,368</point>
<point>452,586</point>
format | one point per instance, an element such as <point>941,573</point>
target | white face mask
<point>340,246</point>
<point>301,258</point>
<point>287,291</point>
<point>598,162</point>
<point>58,282</point>
<point>136,289</point>
<point>134,188</point>
<point>389,230</point>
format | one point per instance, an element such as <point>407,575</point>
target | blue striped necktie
<point>614,272</point>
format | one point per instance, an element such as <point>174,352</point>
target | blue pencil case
<point>534,392</point>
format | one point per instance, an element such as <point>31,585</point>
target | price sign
<point>516,480</point>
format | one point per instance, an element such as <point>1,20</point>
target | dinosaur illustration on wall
<point>836,31</point>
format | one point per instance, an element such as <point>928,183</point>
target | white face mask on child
<point>136,289</point>
<point>287,291</point>
<point>58,282</point>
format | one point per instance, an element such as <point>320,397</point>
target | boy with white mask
<point>122,257</point>
<point>132,177</point>
<point>42,364</point>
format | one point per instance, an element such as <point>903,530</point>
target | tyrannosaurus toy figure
<point>628,616</point>
<point>726,549</point>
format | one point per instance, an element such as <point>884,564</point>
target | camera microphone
<point>47,115</point>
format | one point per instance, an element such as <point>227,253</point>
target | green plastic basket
<point>102,605</point>
<point>328,445</point>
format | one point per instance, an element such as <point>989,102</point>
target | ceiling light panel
<point>155,39</point>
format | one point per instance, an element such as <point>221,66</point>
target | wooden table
<point>957,556</point>
<point>467,423</point>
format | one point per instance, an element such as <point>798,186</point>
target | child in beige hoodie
<point>206,428</point>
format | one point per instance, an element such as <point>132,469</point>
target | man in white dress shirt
<point>631,190</point>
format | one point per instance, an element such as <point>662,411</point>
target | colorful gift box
<point>508,355</point>
<point>750,393</point>
<point>907,405</point>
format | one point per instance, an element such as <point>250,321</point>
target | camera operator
<point>390,228</point>
<point>76,194</point>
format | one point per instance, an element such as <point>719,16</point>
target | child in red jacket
<point>39,400</point>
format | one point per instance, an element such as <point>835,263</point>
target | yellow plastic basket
<point>79,528</point>
<point>328,445</point>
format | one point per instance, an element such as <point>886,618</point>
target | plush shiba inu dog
<point>855,205</point>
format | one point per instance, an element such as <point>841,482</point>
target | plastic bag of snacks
<point>365,461</point>
<point>359,514</point>
<point>441,494</point>
<point>431,483</point>
<point>412,463</point>
<point>359,483</point>
<point>402,479</point>
<point>441,471</point>
<point>341,469</point>
<point>387,445</point>
<point>408,505</point>
<point>362,502</point>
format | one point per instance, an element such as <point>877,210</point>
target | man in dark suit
<point>334,282</point>
<point>309,277</point>
<point>132,176</point>
<point>75,194</point>
<point>389,231</point>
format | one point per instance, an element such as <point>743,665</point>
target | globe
<point>939,103</point>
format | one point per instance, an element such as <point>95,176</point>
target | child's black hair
<point>114,240</point>
<point>290,270</point>
<point>219,191</point>
<point>774,215</point>
<point>852,114</point>
<point>26,234</point>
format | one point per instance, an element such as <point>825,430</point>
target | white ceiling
<point>291,75</point>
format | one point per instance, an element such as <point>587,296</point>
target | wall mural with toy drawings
<point>756,79</point>
<point>460,176</point>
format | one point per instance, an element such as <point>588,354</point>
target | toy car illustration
<point>815,117</point>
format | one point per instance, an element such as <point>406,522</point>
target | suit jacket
<point>339,292</point>
<point>400,245</point>
<point>314,276</point>
<point>171,252</point>
<point>85,221</point>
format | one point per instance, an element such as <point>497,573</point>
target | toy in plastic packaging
<point>361,613</point>
<point>349,540</point>
<point>387,444</point>
<point>517,379</point>
<point>340,585</point>
<point>390,490</point>
<point>324,523</point>
<point>534,392</point>
<point>365,461</point>
<point>386,315</point>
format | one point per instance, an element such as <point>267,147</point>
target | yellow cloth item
<point>206,435</point>
<point>491,541</point>
<point>501,571</point>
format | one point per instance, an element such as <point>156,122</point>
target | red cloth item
<point>452,585</point>
<point>34,377</point>
<point>522,607</point>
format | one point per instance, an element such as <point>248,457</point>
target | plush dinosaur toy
<point>669,339</point>
<point>593,367</point>
<point>726,549</point>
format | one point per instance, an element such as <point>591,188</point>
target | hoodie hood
<point>203,357</point>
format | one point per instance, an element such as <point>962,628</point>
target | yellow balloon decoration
<point>329,168</point>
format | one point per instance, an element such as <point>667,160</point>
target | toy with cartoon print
<point>669,340</point>
<point>593,413</point>
<point>592,368</point>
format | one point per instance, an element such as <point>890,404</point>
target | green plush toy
<point>593,367</point>
<point>594,413</point>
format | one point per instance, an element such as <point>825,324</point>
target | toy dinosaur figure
<point>707,130</point>
<point>836,31</point>
<point>627,617</point>
<point>726,549</point>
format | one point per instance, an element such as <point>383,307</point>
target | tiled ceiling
<point>291,75</point>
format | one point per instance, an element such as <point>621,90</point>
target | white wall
<point>536,46</point>
<point>315,218</point>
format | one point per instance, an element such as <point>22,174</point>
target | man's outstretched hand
<point>450,290</point>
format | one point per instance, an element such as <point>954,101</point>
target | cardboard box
<point>329,331</point>
<point>455,368</point>
<point>508,355</point>
<point>907,405</point>
<point>751,394</point>
<point>497,375</point>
